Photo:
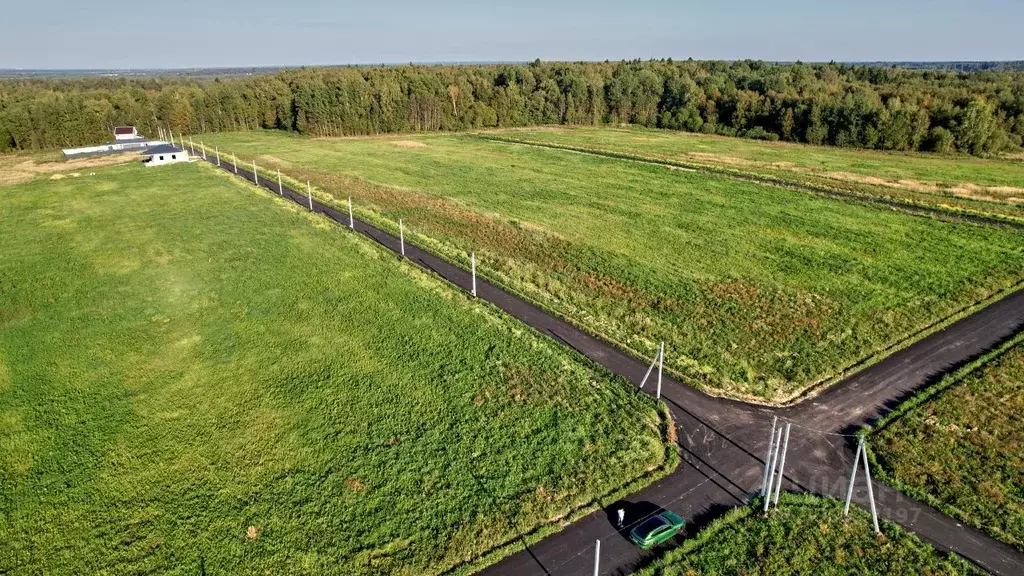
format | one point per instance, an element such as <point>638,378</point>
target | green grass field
<point>197,377</point>
<point>760,292</point>
<point>962,449</point>
<point>805,536</point>
<point>963,183</point>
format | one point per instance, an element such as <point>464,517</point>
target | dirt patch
<point>19,171</point>
<point>252,532</point>
<point>408,144</point>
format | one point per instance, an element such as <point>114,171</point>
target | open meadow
<point>958,183</point>
<point>805,536</point>
<point>197,377</point>
<point>960,447</point>
<point>760,292</point>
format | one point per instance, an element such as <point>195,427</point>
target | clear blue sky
<point>189,33</point>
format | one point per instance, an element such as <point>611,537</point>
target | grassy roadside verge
<point>957,445</point>
<point>807,535</point>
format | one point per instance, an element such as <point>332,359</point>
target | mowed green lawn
<point>957,182</point>
<point>759,292</point>
<point>963,449</point>
<point>196,376</point>
<point>805,536</point>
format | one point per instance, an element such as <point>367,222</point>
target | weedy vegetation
<point>960,445</point>
<point>805,536</point>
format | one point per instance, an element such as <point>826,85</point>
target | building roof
<point>161,149</point>
<point>124,130</point>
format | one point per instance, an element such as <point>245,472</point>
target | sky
<point>63,34</point>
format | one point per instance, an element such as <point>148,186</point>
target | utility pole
<point>472,263</point>
<point>771,471</point>
<point>782,465</point>
<point>768,456</point>
<point>661,365</point>
<point>401,235</point>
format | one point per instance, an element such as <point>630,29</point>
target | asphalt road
<point>723,442</point>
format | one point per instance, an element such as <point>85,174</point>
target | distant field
<point>805,536</point>
<point>198,378</point>
<point>20,167</point>
<point>963,449</point>
<point>954,182</point>
<point>760,292</point>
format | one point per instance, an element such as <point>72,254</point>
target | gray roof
<point>161,149</point>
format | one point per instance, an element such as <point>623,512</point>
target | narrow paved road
<point>723,442</point>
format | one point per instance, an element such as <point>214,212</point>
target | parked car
<point>656,529</point>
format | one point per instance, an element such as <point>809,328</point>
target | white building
<point>125,133</point>
<point>164,154</point>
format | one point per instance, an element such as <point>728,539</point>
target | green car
<point>656,529</point>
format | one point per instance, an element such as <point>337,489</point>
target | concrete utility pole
<point>351,220</point>
<point>771,471</point>
<point>472,264</point>
<point>853,476</point>
<point>782,465</point>
<point>255,177</point>
<point>191,145</point>
<point>871,490</point>
<point>309,194</point>
<point>768,456</point>
<point>653,363</point>
<point>203,146</point>
<point>661,365</point>
<point>234,162</point>
<point>280,189</point>
<point>597,557</point>
<point>401,235</point>
<point>217,150</point>
<point>862,454</point>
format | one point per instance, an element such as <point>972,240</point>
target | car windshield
<point>649,526</point>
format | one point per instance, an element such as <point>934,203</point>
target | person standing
<point>622,517</point>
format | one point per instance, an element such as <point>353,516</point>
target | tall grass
<point>960,445</point>
<point>198,377</point>
<point>956,183</point>
<point>805,536</point>
<point>760,292</point>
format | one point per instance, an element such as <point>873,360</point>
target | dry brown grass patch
<point>19,169</point>
<point>408,144</point>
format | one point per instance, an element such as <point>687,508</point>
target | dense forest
<point>978,112</point>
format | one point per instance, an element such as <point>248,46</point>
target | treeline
<point>860,106</point>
